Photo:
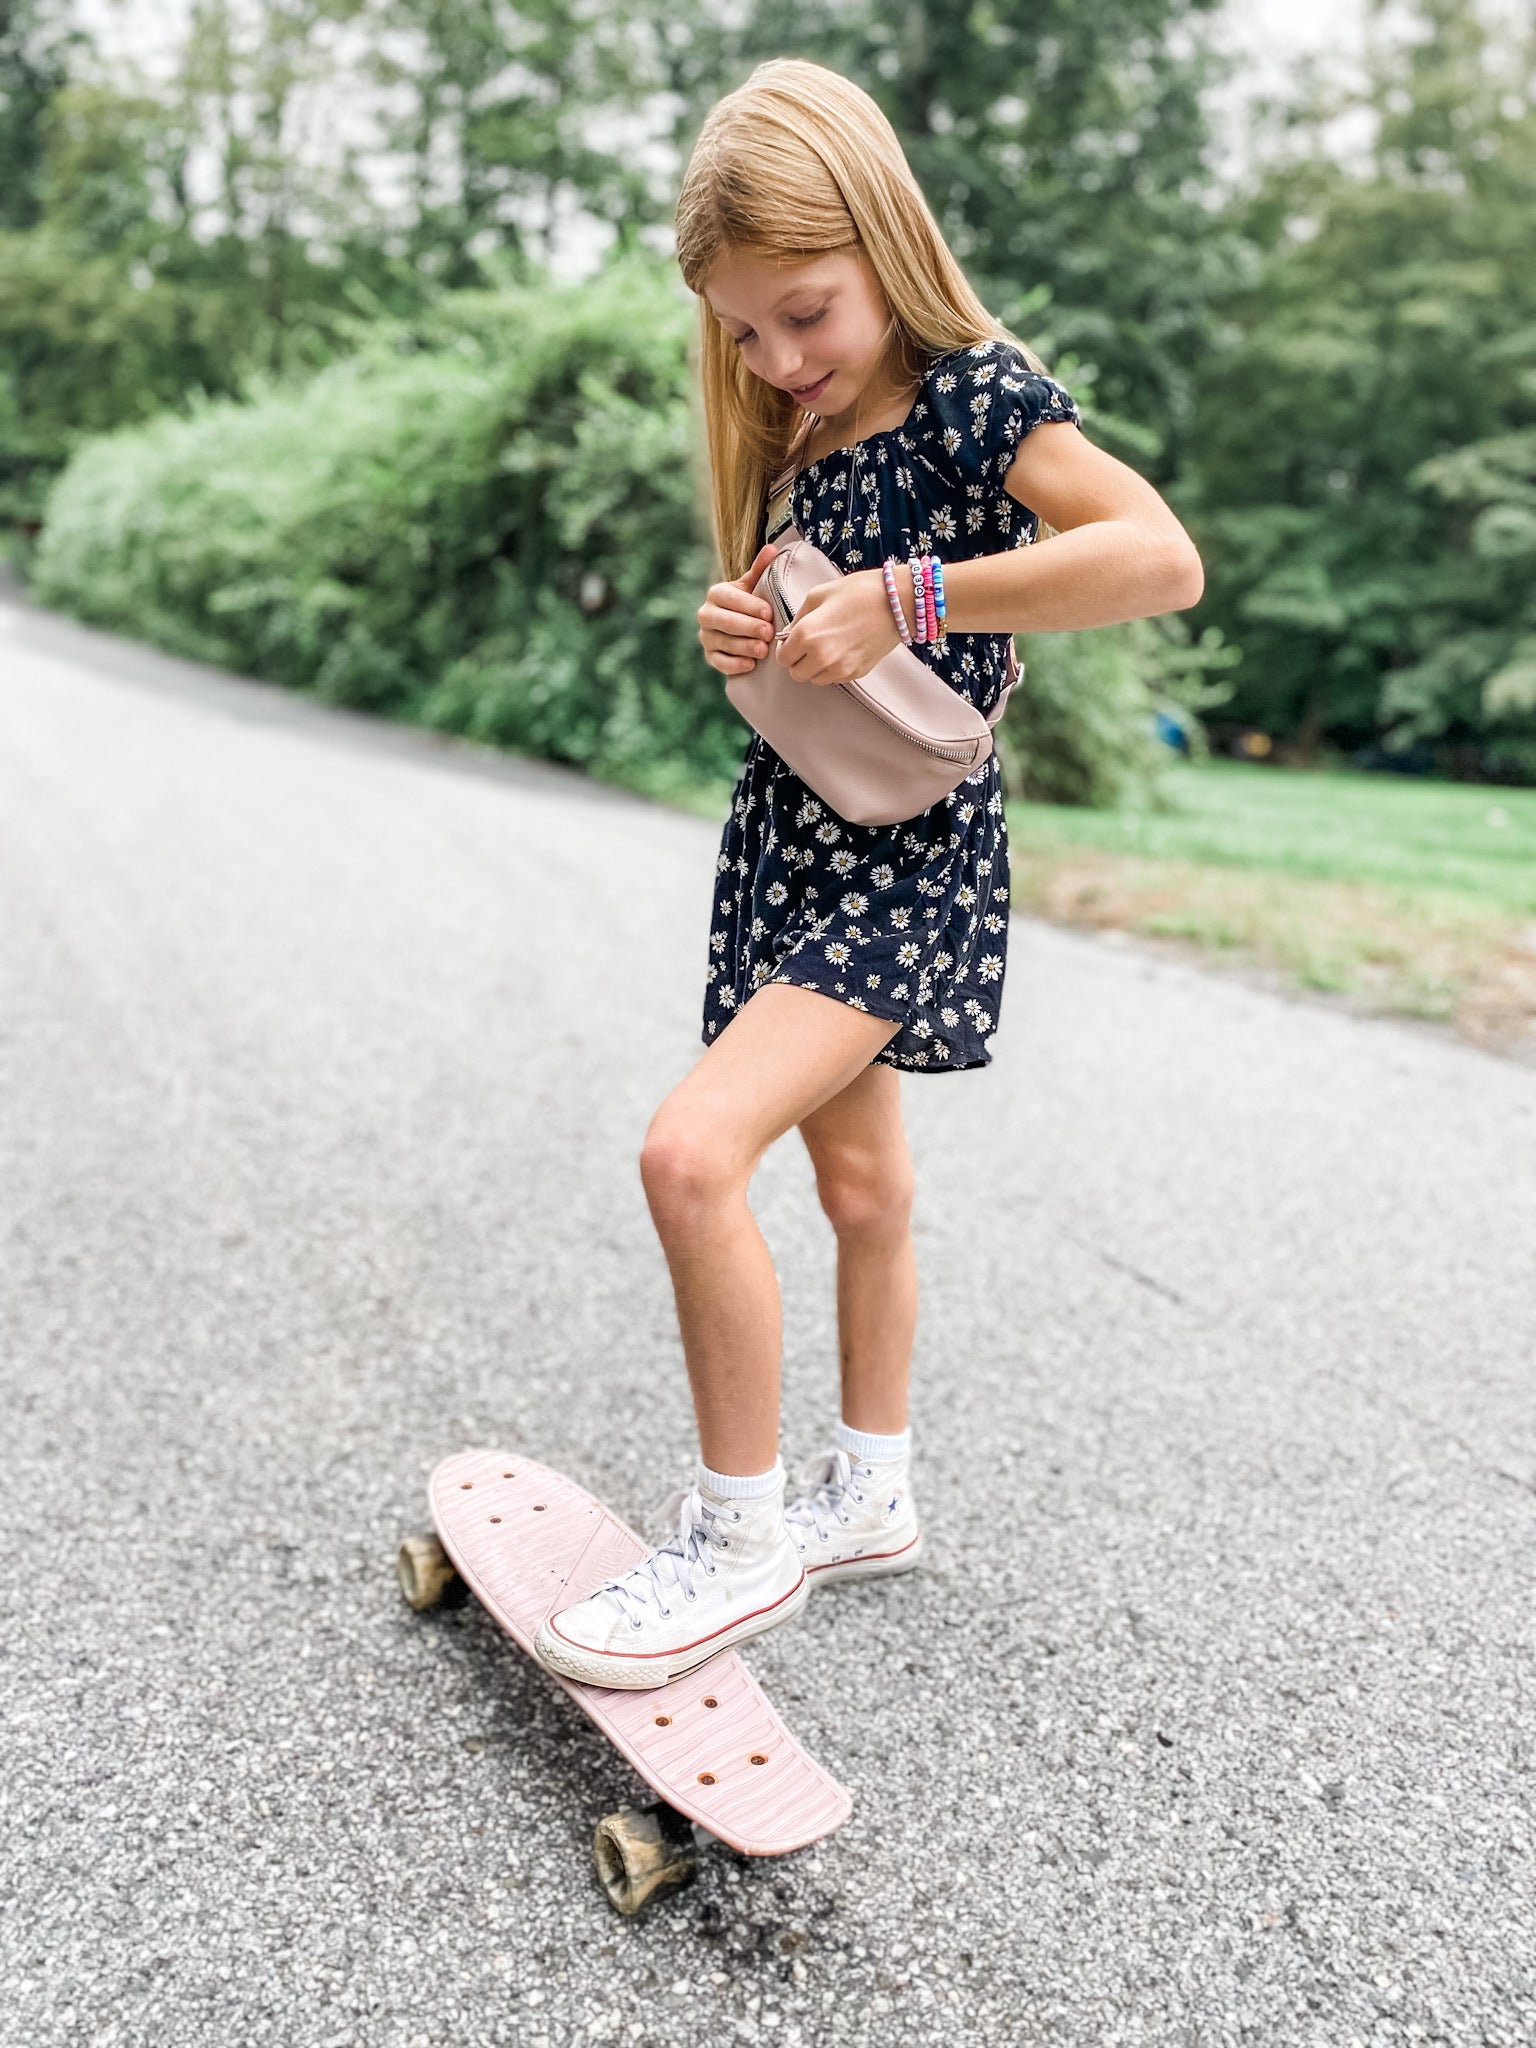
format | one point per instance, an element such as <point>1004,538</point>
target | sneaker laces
<point>823,1484</point>
<point>675,1561</point>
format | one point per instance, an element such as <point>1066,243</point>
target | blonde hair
<point>798,161</point>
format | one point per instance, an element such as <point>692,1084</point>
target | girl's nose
<point>788,374</point>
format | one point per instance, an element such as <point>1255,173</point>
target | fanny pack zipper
<point>962,754</point>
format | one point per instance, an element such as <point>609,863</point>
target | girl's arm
<point>1120,552</point>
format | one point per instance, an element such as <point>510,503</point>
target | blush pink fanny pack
<point>879,749</point>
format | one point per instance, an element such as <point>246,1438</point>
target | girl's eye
<point>809,321</point>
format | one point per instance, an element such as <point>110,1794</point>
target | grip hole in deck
<point>757,1759</point>
<point>710,1700</point>
<point>663,1720</point>
<point>706,1777</point>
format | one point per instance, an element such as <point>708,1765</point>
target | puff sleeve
<point>988,400</point>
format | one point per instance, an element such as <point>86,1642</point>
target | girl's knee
<point>682,1166</point>
<point>865,1193</point>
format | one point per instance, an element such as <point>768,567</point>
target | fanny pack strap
<point>779,519</point>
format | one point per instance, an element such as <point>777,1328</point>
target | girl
<point>840,340</point>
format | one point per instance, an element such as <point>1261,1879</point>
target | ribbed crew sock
<point>872,1448</point>
<point>733,1486</point>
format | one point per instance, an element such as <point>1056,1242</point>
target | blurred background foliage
<point>293,376</point>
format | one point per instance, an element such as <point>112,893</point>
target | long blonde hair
<point>795,162</point>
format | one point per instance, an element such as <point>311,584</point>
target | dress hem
<point>906,1065</point>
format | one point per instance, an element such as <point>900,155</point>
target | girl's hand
<point>735,625</point>
<point>841,629</point>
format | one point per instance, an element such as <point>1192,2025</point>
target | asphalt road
<point>326,1053</point>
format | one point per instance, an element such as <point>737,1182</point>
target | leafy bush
<point>493,532</point>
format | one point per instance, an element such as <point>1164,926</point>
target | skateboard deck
<point>526,1541</point>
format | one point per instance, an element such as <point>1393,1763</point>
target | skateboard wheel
<point>642,1855</point>
<point>426,1572</point>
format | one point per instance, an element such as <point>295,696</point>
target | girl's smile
<point>807,392</point>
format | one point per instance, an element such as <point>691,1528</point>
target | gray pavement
<point>326,1053</point>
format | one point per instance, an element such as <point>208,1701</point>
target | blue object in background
<point>1171,732</point>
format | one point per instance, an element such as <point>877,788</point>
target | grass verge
<point>1402,897</point>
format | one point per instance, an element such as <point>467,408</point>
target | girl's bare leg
<point>864,1177</point>
<point>784,1053</point>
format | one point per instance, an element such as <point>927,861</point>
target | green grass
<point>1405,833</point>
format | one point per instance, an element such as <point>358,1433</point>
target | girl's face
<point>815,329</point>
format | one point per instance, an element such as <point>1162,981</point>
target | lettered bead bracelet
<point>919,602</point>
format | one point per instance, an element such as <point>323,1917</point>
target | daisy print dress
<point>906,921</point>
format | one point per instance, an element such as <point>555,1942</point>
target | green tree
<point>512,118</point>
<point>124,289</point>
<point>1358,473</point>
<point>38,45</point>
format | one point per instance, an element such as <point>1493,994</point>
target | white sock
<point>873,1449</point>
<point>733,1486</point>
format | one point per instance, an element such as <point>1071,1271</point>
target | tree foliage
<point>1362,484</point>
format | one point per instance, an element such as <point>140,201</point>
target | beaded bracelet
<point>919,603</point>
<point>931,627</point>
<point>888,570</point>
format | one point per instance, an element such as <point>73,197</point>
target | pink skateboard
<point>524,1540</point>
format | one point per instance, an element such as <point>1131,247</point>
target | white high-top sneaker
<point>853,1519</point>
<point>728,1571</point>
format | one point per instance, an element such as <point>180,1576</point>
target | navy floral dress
<point>906,921</point>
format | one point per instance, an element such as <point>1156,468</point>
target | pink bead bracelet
<point>888,570</point>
